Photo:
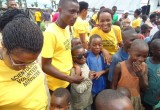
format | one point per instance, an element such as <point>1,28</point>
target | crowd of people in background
<point>106,63</point>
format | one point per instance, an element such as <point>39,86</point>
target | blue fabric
<point>147,39</point>
<point>117,57</point>
<point>97,64</point>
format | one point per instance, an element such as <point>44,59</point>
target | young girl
<point>81,93</point>
<point>22,80</point>
<point>132,73</point>
<point>95,62</point>
<point>152,94</point>
<point>111,35</point>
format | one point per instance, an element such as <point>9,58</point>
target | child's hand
<point>138,68</point>
<point>77,78</point>
<point>98,74</point>
<point>92,75</point>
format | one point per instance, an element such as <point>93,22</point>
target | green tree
<point>7,2</point>
<point>32,5</point>
<point>53,3</point>
<point>36,4</point>
<point>20,3</point>
<point>1,1</point>
<point>25,3</point>
<point>45,5</point>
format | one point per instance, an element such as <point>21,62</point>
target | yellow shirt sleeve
<point>48,45</point>
<point>118,33</point>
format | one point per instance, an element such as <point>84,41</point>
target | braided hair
<point>19,32</point>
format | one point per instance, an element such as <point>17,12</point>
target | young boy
<point>152,94</point>
<point>112,100</point>
<point>60,100</point>
<point>81,93</point>
<point>128,37</point>
<point>132,73</point>
<point>95,62</point>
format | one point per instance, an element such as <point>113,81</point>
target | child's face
<point>79,56</point>
<point>138,55</point>
<point>76,42</point>
<point>128,41</point>
<point>105,21</point>
<point>156,52</point>
<point>59,103</point>
<point>96,45</point>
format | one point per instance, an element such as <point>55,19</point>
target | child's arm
<point>116,76</point>
<point>77,69</point>
<point>100,73</point>
<point>83,86</point>
<point>141,71</point>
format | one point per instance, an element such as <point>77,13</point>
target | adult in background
<point>94,21</point>
<point>137,21</point>
<point>46,17</point>
<point>12,4</point>
<point>80,29</point>
<point>38,16</point>
<point>115,15</point>
<point>125,20</point>
<point>56,52</point>
<point>22,80</point>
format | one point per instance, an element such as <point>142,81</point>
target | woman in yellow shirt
<point>137,21</point>
<point>22,82</point>
<point>111,35</point>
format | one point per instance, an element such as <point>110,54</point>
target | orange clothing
<point>129,81</point>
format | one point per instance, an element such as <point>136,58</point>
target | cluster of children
<point>132,74</point>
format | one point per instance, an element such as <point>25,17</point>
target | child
<point>61,99</point>
<point>81,93</point>
<point>132,73</point>
<point>152,94</point>
<point>112,100</point>
<point>95,62</point>
<point>128,37</point>
<point>124,91</point>
<point>76,42</point>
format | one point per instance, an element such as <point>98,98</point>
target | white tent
<point>130,5</point>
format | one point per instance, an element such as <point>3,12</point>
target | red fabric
<point>55,16</point>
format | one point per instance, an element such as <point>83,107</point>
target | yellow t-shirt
<point>136,23</point>
<point>94,17</point>
<point>24,89</point>
<point>80,27</point>
<point>38,16</point>
<point>111,39</point>
<point>57,45</point>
